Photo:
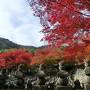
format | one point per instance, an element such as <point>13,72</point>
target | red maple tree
<point>14,57</point>
<point>63,21</point>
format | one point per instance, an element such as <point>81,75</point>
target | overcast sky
<point>18,24</point>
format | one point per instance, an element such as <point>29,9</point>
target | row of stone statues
<point>19,80</point>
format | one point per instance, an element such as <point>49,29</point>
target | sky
<point>18,24</point>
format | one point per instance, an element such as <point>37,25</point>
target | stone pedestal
<point>63,88</point>
<point>87,87</point>
<point>39,87</point>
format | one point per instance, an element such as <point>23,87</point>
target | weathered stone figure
<point>40,83</point>
<point>63,80</point>
<point>87,72</point>
<point>62,76</point>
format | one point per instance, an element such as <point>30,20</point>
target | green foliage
<point>32,50</point>
<point>3,50</point>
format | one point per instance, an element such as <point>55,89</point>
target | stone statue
<point>41,76</point>
<point>87,72</point>
<point>62,76</point>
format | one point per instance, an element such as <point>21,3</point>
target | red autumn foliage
<point>63,21</point>
<point>74,54</point>
<point>54,53</point>
<point>43,55</point>
<point>39,56</point>
<point>10,58</point>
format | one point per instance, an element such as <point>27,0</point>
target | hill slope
<point>7,44</point>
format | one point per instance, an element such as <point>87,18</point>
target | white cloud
<point>18,24</point>
<point>29,34</point>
